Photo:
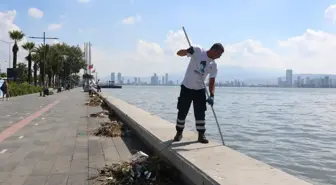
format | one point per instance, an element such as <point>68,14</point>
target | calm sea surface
<point>292,129</point>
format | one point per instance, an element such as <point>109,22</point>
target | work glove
<point>190,50</point>
<point>210,101</point>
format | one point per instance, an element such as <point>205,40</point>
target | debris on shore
<point>101,114</point>
<point>94,101</point>
<point>109,129</point>
<point>140,170</point>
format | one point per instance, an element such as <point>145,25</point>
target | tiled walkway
<point>44,141</point>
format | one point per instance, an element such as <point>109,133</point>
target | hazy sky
<point>140,37</point>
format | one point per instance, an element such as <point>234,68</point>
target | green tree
<point>42,50</point>
<point>22,72</point>
<point>36,59</point>
<point>29,46</point>
<point>62,61</point>
<point>3,75</point>
<point>75,79</point>
<point>17,36</point>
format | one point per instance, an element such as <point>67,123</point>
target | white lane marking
<point>36,124</point>
<point>11,122</point>
<point>20,137</point>
<point>3,151</point>
<point>21,117</point>
<point>8,115</point>
<point>43,118</point>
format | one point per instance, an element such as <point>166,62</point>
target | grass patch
<point>19,89</point>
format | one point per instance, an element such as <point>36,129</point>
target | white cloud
<point>7,20</point>
<point>131,19</point>
<point>330,13</point>
<point>36,13</point>
<point>311,52</point>
<point>54,27</point>
<point>55,41</point>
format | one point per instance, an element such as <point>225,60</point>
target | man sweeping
<point>193,90</point>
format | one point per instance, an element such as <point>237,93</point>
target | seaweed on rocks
<point>140,170</point>
<point>94,101</point>
<point>109,129</point>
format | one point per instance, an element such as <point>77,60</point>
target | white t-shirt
<point>199,61</point>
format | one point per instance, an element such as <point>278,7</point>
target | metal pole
<point>207,93</point>
<point>9,55</point>
<point>44,59</point>
<point>44,53</point>
<point>89,57</point>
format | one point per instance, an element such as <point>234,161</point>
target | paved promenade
<point>44,141</point>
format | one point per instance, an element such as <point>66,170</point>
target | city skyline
<point>301,81</point>
<point>325,81</point>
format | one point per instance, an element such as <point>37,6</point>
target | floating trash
<point>140,170</point>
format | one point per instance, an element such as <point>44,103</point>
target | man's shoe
<point>202,138</point>
<point>178,136</point>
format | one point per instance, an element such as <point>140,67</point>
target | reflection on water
<point>292,129</point>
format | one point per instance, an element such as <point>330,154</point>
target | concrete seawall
<point>199,164</point>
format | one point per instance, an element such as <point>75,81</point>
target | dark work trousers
<point>198,98</point>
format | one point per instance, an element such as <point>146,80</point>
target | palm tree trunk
<point>29,68</point>
<point>42,73</point>
<point>49,78</point>
<point>35,74</point>
<point>15,50</point>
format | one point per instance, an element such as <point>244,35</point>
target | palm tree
<point>62,61</point>
<point>29,46</point>
<point>42,52</point>
<point>17,36</point>
<point>36,59</point>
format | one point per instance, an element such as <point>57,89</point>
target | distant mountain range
<point>228,73</point>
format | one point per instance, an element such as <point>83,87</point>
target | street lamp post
<point>9,51</point>
<point>44,53</point>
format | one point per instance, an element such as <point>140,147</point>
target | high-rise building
<point>166,80</point>
<point>298,81</point>
<point>163,80</point>
<point>119,78</point>
<point>307,81</point>
<point>112,76</point>
<point>154,79</point>
<point>280,82</point>
<point>289,78</point>
<point>326,81</point>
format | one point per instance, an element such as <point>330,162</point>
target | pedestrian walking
<point>98,86</point>
<point>4,89</point>
<point>202,63</point>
